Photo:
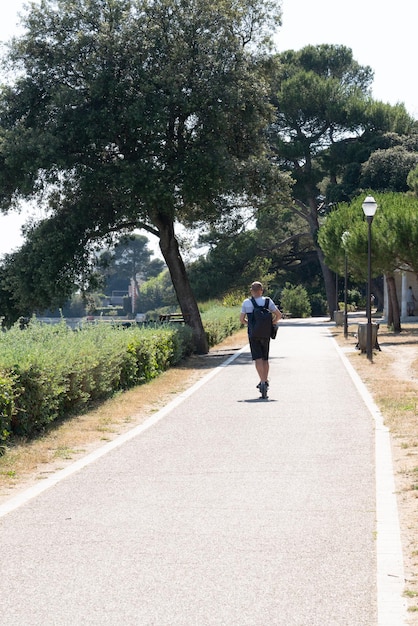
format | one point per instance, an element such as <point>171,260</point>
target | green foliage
<point>350,306</point>
<point>56,371</point>
<point>128,115</point>
<point>354,297</point>
<point>295,301</point>
<point>412,180</point>
<point>49,372</point>
<point>227,258</point>
<point>268,252</point>
<point>157,292</point>
<point>127,259</point>
<point>318,304</point>
<point>259,267</point>
<point>388,169</point>
<point>77,306</point>
<point>389,118</point>
<point>233,298</point>
<point>154,351</point>
<point>7,406</point>
<point>321,96</point>
<point>394,235</point>
<point>326,127</point>
<point>221,322</point>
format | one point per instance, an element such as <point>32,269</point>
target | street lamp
<point>369,208</point>
<point>344,238</point>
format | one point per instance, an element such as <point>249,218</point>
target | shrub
<point>350,307</point>
<point>57,371</point>
<point>6,407</point>
<point>233,298</point>
<point>319,304</point>
<point>295,301</point>
<point>220,322</point>
<point>49,372</point>
<point>354,297</point>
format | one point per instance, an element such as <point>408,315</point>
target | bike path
<point>226,510</point>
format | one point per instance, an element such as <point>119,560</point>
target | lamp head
<point>344,237</point>
<point>369,206</point>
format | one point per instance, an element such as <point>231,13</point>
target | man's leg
<point>262,368</point>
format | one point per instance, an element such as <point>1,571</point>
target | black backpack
<point>262,320</point>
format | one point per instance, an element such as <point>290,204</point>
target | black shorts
<point>260,348</point>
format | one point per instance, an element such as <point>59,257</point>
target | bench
<point>176,318</point>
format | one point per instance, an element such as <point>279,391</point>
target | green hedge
<point>220,322</point>
<point>6,406</point>
<point>49,372</point>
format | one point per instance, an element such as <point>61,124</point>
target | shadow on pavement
<point>251,400</point>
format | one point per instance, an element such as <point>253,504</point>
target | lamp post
<point>344,238</point>
<point>369,207</point>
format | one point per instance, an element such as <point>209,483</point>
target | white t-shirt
<point>247,305</point>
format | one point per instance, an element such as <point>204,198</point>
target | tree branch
<point>130,225</point>
<point>283,243</point>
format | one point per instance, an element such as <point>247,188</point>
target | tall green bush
<point>56,371</point>
<point>49,372</point>
<point>295,301</point>
<point>6,407</point>
<point>220,322</point>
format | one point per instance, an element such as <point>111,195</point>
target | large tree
<point>324,127</point>
<point>128,261</point>
<point>277,250</point>
<point>136,114</point>
<point>388,167</point>
<point>394,241</point>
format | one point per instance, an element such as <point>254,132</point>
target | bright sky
<point>381,34</point>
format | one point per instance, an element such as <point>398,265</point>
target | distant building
<point>403,280</point>
<point>116,299</point>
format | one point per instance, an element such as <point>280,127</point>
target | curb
<point>391,605</point>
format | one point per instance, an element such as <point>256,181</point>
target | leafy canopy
<point>134,114</point>
<point>394,235</point>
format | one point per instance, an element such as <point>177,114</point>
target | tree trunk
<point>390,313</point>
<point>186,299</point>
<point>394,317</point>
<point>309,213</point>
<point>329,282</point>
<point>378,293</point>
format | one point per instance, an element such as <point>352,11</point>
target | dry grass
<point>392,379</point>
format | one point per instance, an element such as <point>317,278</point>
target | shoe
<point>264,389</point>
<point>266,383</point>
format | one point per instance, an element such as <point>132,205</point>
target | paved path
<point>229,510</point>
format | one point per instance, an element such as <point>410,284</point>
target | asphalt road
<point>229,510</point>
